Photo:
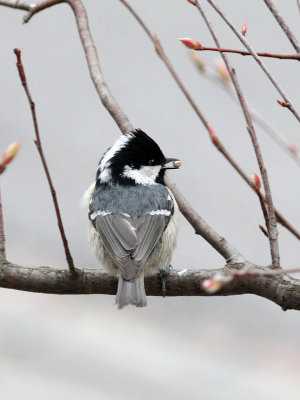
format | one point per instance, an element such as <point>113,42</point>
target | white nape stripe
<point>160,212</point>
<point>117,146</point>
<point>169,197</point>
<point>100,213</point>
<point>105,174</point>
<point>146,175</point>
<point>104,165</point>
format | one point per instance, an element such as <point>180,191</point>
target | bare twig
<point>216,141</point>
<point>273,234</point>
<point>256,116</point>
<point>247,53</point>
<point>2,235</point>
<point>257,59</point>
<point>283,24</point>
<point>40,150</point>
<point>90,50</point>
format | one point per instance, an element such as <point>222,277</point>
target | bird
<point>133,216</point>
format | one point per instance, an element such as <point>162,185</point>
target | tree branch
<point>202,228</point>
<point>282,290</point>
<point>96,74</point>
<point>215,140</point>
<point>257,59</point>
<point>2,235</point>
<point>283,24</point>
<point>247,53</point>
<point>288,146</point>
<point>273,234</point>
<point>43,159</point>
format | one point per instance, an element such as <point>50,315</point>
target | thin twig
<point>273,234</point>
<point>257,59</point>
<point>283,24</point>
<point>104,93</point>
<point>256,116</point>
<point>161,53</point>
<point>247,53</point>
<point>2,235</point>
<point>40,150</point>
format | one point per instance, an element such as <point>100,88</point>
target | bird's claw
<point>164,272</point>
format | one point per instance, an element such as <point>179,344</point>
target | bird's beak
<point>172,163</point>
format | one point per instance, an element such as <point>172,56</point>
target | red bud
<point>244,29</point>
<point>213,136</point>
<point>192,2</point>
<point>293,147</point>
<point>191,44</point>
<point>222,70</point>
<point>283,103</point>
<point>10,153</point>
<point>255,181</point>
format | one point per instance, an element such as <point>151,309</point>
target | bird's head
<point>134,158</point>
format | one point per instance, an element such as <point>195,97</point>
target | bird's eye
<point>152,162</point>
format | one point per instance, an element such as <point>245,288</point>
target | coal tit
<point>132,214</point>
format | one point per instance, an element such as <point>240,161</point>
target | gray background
<point>81,346</point>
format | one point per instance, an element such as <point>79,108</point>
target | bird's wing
<point>130,244</point>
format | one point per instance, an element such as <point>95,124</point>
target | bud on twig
<point>263,230</point>
<point>222,70</point>
<point>9,154</point>
<point>255,181</point>
<point>197,60</point>
<point>293,147</point>
<point>191,44</point>
<point>244,29</point>
<point>283,103</point>
<point>213,136</point>
<point>192,2</point>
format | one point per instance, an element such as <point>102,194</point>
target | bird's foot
<point>164,273</point>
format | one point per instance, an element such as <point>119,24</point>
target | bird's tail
<point>131,292</point>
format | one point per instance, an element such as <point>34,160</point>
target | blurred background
<point>82,347</point>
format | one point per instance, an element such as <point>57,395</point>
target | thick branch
<point>2,235</point>
<point>282,290</point>
<point>96,74</point>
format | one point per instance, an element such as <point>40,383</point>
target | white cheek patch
<point>145,175</point>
